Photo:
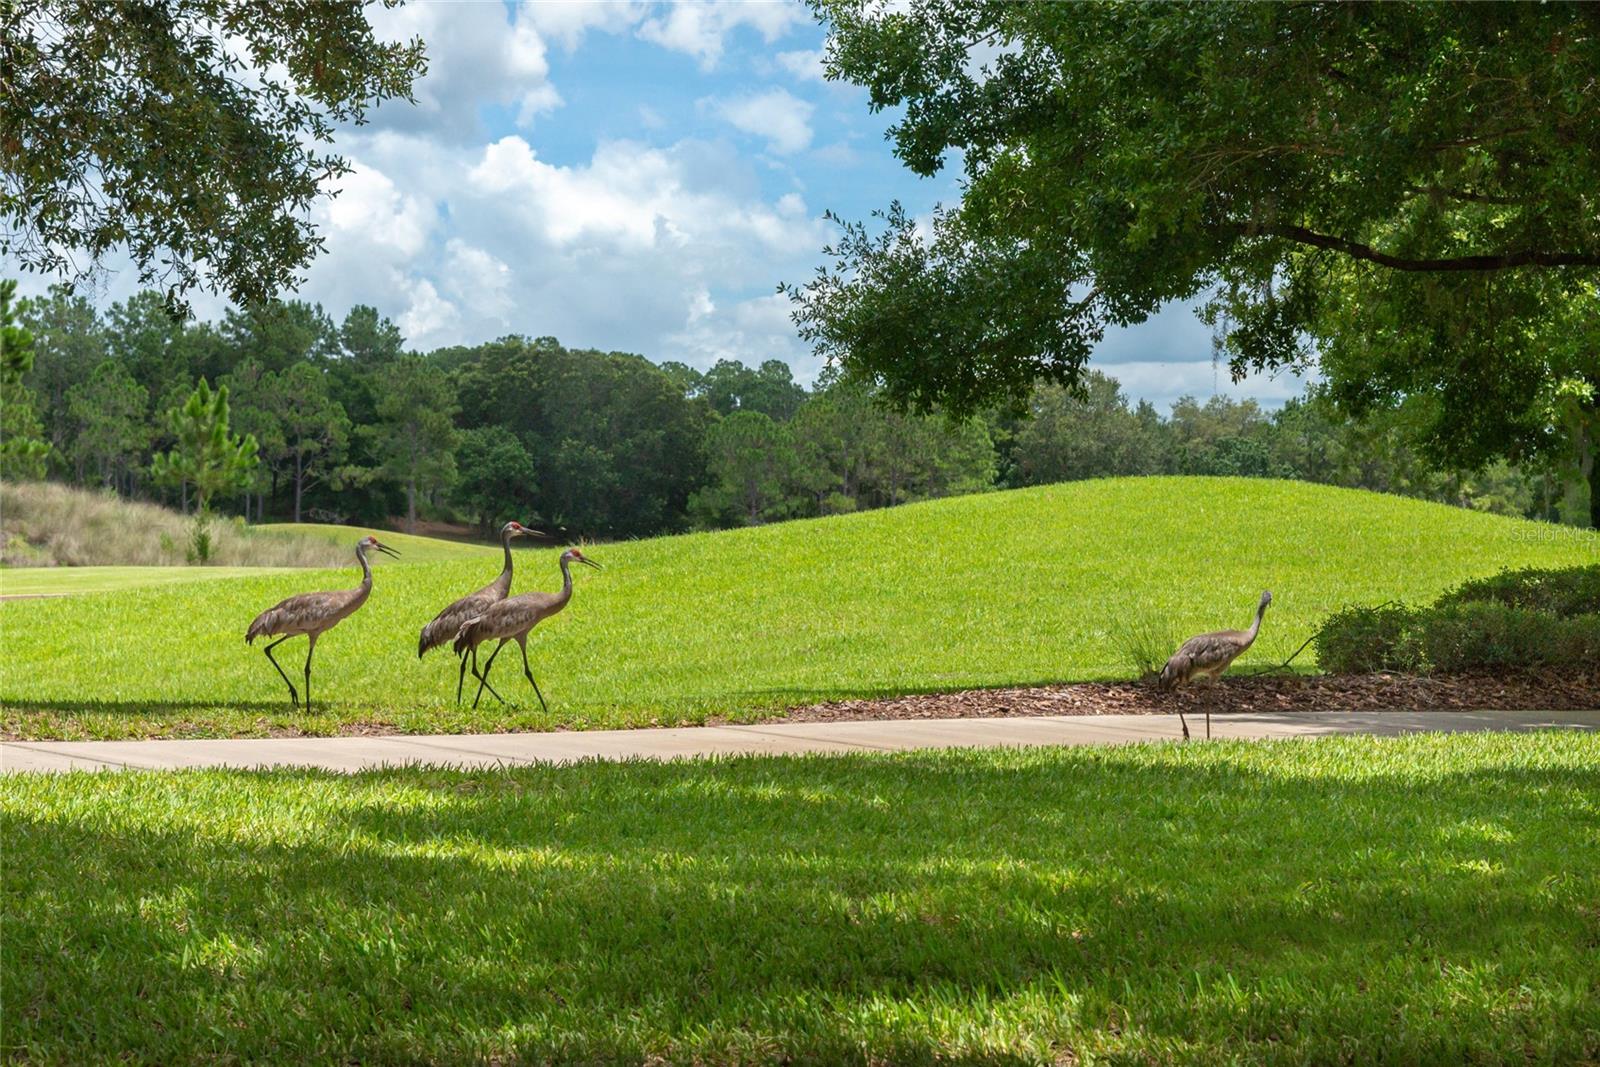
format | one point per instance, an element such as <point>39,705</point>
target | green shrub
<point>1361,640</point>
<point>1563,592</point>
<point>1463,636</point>
<point>1453,637</point>
<point>202,541</point>
<point>1537,617</point>
<point>1578,641</point>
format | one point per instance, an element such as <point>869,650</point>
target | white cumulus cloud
<point>478,280</point>
<point>428,318</point>
<point>477,52</point>
<point>632,196</point>
<point>567,21</point>
<point>777,115</point>
<point>366,205</point>
<point>805,64</point>
<point>700,29</point>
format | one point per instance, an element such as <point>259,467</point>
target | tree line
<point>348,424</point>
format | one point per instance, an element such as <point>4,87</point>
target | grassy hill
<point>59,540</point>
<point>43,524</point>
<point>1032,586</point>
<point>414,549</point>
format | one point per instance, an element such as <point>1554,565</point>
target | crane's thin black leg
<point>312,647</point>
<point>462,675</point>
<point>483,679</point>
<point>545,707</point>
<point>497,696</point>
<point>486,667</point>
<point>1208,724</point>
<point>294,698</point>
<point>1185,723</point>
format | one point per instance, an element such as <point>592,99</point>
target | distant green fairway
<point>414,549</point>
<point>67,581</point>
<point>1419,900</point>
<point>1022,587</point>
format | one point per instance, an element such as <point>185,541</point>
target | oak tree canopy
<point>192,134</point>
<point>1407,193</point>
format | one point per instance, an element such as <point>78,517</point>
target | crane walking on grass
<point>313,614</point>
<point>445,624</point>
<point>1207,656</point>
<point>511,619</point>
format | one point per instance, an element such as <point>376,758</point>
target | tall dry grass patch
<point>50,525</point>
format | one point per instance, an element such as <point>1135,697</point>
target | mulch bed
<point>1571,690</point>
<point>1542,690</point>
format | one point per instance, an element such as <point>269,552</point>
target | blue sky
<point>633,176</point>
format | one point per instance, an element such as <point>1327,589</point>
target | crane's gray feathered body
<point>512,618</point>
<point>1208,655</point>
<point>312,615</point>
<point>445,625</point>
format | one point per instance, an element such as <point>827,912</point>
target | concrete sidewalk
<point>488,750</point>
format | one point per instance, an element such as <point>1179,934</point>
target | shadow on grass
<point>984,908</point>
<point>148,708</point>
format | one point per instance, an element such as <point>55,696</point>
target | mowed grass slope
<point>64,581</point>
<point>413,548</point>
<point>1007,588</point>
<point>69,581</point>
<point>1427,899</point>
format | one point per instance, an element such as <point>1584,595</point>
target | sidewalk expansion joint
<point>433,747</point>
<point>33,747</point>
<point>815,740</point>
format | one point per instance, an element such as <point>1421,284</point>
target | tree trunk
<point>411,506</point>
<point>1588,433</point>
<point>299,482</point>
<point>1589,466</point>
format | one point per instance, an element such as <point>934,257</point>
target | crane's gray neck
<point>566,580</point>
<point>366,568</point>
<point>1255,627</point>
<point>505,572</point>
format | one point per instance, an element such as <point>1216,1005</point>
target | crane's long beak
<point>590,562</point>
<point>387,549</point>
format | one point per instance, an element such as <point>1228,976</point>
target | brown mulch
<point>1541,690</point>
<point>1531,691</point>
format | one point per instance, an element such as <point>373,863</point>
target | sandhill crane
<point>313,614</point>
<point>511,619</point>
<point>1207,656</point>
<point>445,624</point>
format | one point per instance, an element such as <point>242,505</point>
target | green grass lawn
<point>1428,899</point>
<point>1023,587</point>
<point>64,581</point>
<point>413,548</point>
<point>67,581</point>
